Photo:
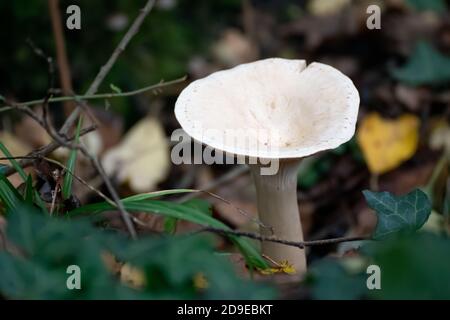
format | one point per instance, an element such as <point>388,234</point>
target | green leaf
<point>8,194</point>
<point>22,174</point>
<point>71,162</point>
<point>201,205</point>
<point>412,267</point>
<point>13,162</point>
<point>177,211</point>
<point>170,224</point>
<point>2,98</point>
<point>29,191</point>
<point>404,213</point>
<point>426,66</point>
<point>330,281</point>
<point>156,194</point>
<point>438,6</point>
<point>169,264</point>
<point>115,88</point>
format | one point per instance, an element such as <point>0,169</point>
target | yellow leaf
<point>326,7</point>
<point>387,143</point>
<point>283,267</point>
<point>142,158</point>
<point>200,281</point>
<point>234,48</point>
<point>132,276</point>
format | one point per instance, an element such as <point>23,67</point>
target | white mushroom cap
<point>281,107</point>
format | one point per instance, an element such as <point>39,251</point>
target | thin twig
<point>104,70</point>
<point>70,121</point>
<point>67,171</point>
<point>300,245</point>
<point>80,98</point>
<point>43,151</point>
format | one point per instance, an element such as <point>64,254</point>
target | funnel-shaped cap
<point>272,108</point>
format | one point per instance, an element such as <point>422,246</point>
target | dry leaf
<point>283,267</point>
<point>132,276</point>
<point>234,48</point>
<point>326,7</point>
<point>435,223</point>
<point>30,131</point>
<point>387,143</point>
<point>142,158</point>
<point>440,137</point>
<point>111,262</point>
<point>200,281</point>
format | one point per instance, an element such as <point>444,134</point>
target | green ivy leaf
<point>426,66</point>
<point>395,214</point>
<point>438,6</point>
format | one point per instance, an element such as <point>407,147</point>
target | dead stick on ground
<point>300,245</point>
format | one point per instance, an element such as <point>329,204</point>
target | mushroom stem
<point>278,212</point>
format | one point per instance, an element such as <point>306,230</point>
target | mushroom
<point>272,111</point>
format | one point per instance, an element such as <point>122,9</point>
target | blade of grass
<point>13,162</point>
<point>68,178</point>
<point>155,194</point>
<point>10,197</point>
<point>22,174</point>
<point>29,191</point>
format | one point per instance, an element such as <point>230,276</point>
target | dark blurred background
<point>402,72</point>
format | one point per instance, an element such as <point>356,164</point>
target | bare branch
<point>104,70</point>
<point>81,98</point>
<point>44,151</point>
<point>300,245</point>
